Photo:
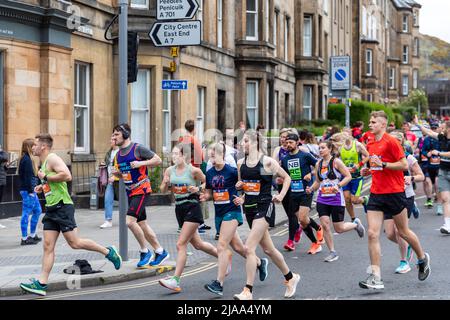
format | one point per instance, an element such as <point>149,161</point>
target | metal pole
<point>347,110</point>
<point>419,109</point>
<point>123,118</point>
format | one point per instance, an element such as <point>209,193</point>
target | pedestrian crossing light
<point>174,52</point>
<point>173,66</point>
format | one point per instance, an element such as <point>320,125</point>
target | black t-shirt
<point>444,143</point>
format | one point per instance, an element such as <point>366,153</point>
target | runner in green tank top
<point>59,216</point>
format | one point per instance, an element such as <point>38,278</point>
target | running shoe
<point>34,287</point>
<point>291,285</point>
<point>315,248</point>
<point>333,256</point>
<point>204,227</point>
<point>424,268</point>
<point>244,295</point>
<point>179,230</point>
<point>298,235</point>
<point>37,238</point>
<point>372,283</point>
<point>145,258</point>
<point>28,241</point>
<point>159,258</point>
<point>403,267</point>
<point>106,225</point>
<point>217,236</point>
<point>439,210</point>
<point>289,245</point>
<point>171,283</point>
<point>2,226</point>
<point>263,270</point>
<point>319,235</point>
<point>365,202</point>
<point>114,257</point>
<point>415,211</point>
<point>429,204</point>
<point>445,229</point>
<point>360,228</point>
<point>215,287</point>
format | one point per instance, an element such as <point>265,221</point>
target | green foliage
<point>155,175</point>
<point>359,111</point>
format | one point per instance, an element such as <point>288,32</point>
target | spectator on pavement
<point>113,184</point>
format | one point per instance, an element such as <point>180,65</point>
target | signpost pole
<point>347,109</point>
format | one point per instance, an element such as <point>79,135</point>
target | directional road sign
<point>340,73</point>
<point>176,9</point>
<point>174,84</point>
<point>181,33</point>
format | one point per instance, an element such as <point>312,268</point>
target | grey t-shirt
<point>141,152</point>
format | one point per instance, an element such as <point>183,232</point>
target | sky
<point>434,18</point>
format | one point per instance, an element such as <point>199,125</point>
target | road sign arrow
<point>154,34</point>
<point>193,9</point>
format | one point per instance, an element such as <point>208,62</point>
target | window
<point>252,20</point>
<point>266,21</point>
<point>167,108</point>
<point>268,107</point>
<point>405,85</point>
<point>392,78</point>
<point>140,108</point>
<point>369,64</point>
<point>139,4</point>
<point>307,102</point>
<point>219,23</point>
<point>416,19</point>
<point>82,107</point>
<point>416,47</point>
<point>286,39</point>
<point>275,110</point>
<point>370,97</point>
<point>405,23</point>
<point>405,54</point>
<point>415,78</point>
<point>252,104</point>
<point>200,121</point>
<point>275,33</point>
<point>364,21</point>
<point>307,36</point>
<point>326,6</point>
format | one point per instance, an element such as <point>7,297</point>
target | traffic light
<point>133,44</point>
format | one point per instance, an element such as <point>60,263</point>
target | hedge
<point>360,111</point>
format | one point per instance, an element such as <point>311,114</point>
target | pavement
<point>20,263</point>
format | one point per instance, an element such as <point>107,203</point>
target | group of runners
<point>299,174</point>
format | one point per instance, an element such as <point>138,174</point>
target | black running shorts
<point>189,212</point>
<point>61,219</point>
<point>260,211</point>
<point>136,207</point>
<point>300,201</point>
<point>390,204</point>
<point>336,213</point>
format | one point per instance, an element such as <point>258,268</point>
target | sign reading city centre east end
<point>180,33</point>
<point>340,73</point>
<point>176,9</point>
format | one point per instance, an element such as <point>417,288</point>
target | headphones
<point>125,132</point>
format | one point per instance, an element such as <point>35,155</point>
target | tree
<point>417,99</point>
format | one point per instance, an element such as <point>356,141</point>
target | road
<point>319,280</point>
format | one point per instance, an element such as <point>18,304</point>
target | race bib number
<point>47,190</point>
<point>127,178</point>
<point>373,165</point>
<point>252,187</point>
<point>327,190</point>
<point>180,189</point>
<point>435,160</point>
<point>297,186</point>
<point>423,158</point>
<point>221,197</point>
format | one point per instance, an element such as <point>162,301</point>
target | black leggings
<point>292,217</point>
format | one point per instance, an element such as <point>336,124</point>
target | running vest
<point>180,185</point>
<point>54,192</point>
<point>136,180</point>
<point>329,177</point>
<point>257,186</point>
<point>350,158</point>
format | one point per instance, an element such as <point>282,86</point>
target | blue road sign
<point>340,74</point>
<point>174,84</point>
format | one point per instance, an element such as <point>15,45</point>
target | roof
<point>406,4</point>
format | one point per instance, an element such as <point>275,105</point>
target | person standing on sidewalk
<point>387,198</point>
<point>132,161</point>
<point>255,179</point>
<point>30,201</point>
<point>113,184</point>
<point>184,179</point>
<point>60,214</point>
<point>4,158</point>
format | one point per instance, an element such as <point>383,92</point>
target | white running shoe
<point>244,295</point>
<point>2,226</point>
<point>107,224</point>
<point>291,285</point>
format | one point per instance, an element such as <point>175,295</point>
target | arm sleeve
<point>144,153</point>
